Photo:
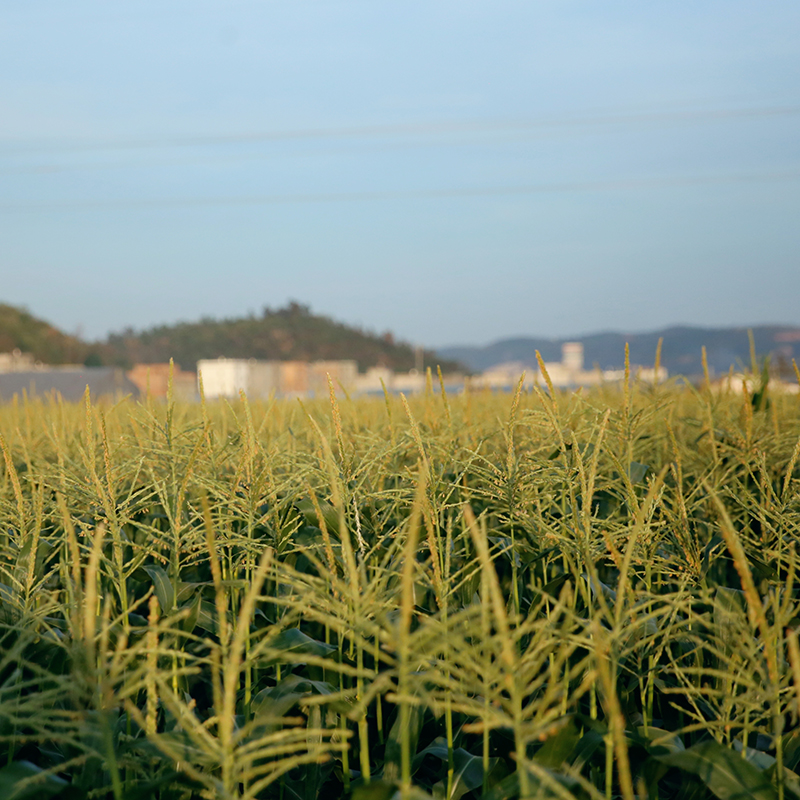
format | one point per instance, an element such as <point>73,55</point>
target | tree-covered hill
<point>285,334</point>
<point>20,330</point>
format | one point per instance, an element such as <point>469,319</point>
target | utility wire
<point>10,147</point>
<point>412,194</point>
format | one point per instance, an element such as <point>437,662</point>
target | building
<point>68,383</point>
<point>738,382</point>
<point>153,380</point>
<point>572,356</point>
<point>343,375</point>
<point>504,376</point>
<point>567,373</point>
<point>16,361</point>
<point>376,379</point>
<point>295,378</point>
<point>227,377</point>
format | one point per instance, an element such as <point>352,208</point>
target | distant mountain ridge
<point>681,351</point>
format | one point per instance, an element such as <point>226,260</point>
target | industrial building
<point>567,373</point>
<point>67,383</point>
<point>227,377</point>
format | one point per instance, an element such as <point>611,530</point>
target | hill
<point>286,334</point>
<point>681,351</point>
<point>20,330</point>
<point>295,333</point>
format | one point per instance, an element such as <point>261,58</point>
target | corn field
<point>535,595</point>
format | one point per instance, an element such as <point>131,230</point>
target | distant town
<point>226,378</point>
<point>291,352</point>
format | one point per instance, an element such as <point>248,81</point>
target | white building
<point>569,372</point>
<point>16,361</point>
<point>504,376</point>
<point>572,356</point>
<point>226,377</point>
<point>374,379</point>
<point>343,374</point>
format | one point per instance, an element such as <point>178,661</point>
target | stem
<point>343,726</point>
<point>363,732</point>
<point>448,718</point>
<point>609,740</point>
<point>111,758</point>
<point>378,703</point>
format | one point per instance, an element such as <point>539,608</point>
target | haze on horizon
<point>455,172</point>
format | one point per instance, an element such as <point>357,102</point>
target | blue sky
<point>456,172</point>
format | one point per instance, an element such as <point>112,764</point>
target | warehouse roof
<point>68,382</point>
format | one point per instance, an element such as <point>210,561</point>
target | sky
<point>456,172</point>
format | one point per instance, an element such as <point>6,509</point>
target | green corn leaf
<point>275,701</point>
<point>377,790</point>
<point>21,780</point>
<point>724,771</point>
<point>637,471</point>
<point>666,739</point>
<point>468,772</point>
<point>508,788</point>
<point>207,616</point>
<point>169,786</point>
<point>586,748</point>
<point>558,747</point>
<point>791,780</point>
<point>385,790</point>
<point>552,588</point>
<point>162,586</point>
<point>468,768</point>
<point>189,623</point>
<point>391,771</point>
<point>437,748</point>
<point>293,642</point>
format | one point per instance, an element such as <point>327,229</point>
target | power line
<point>434,128</point>
<point>413,194</point>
